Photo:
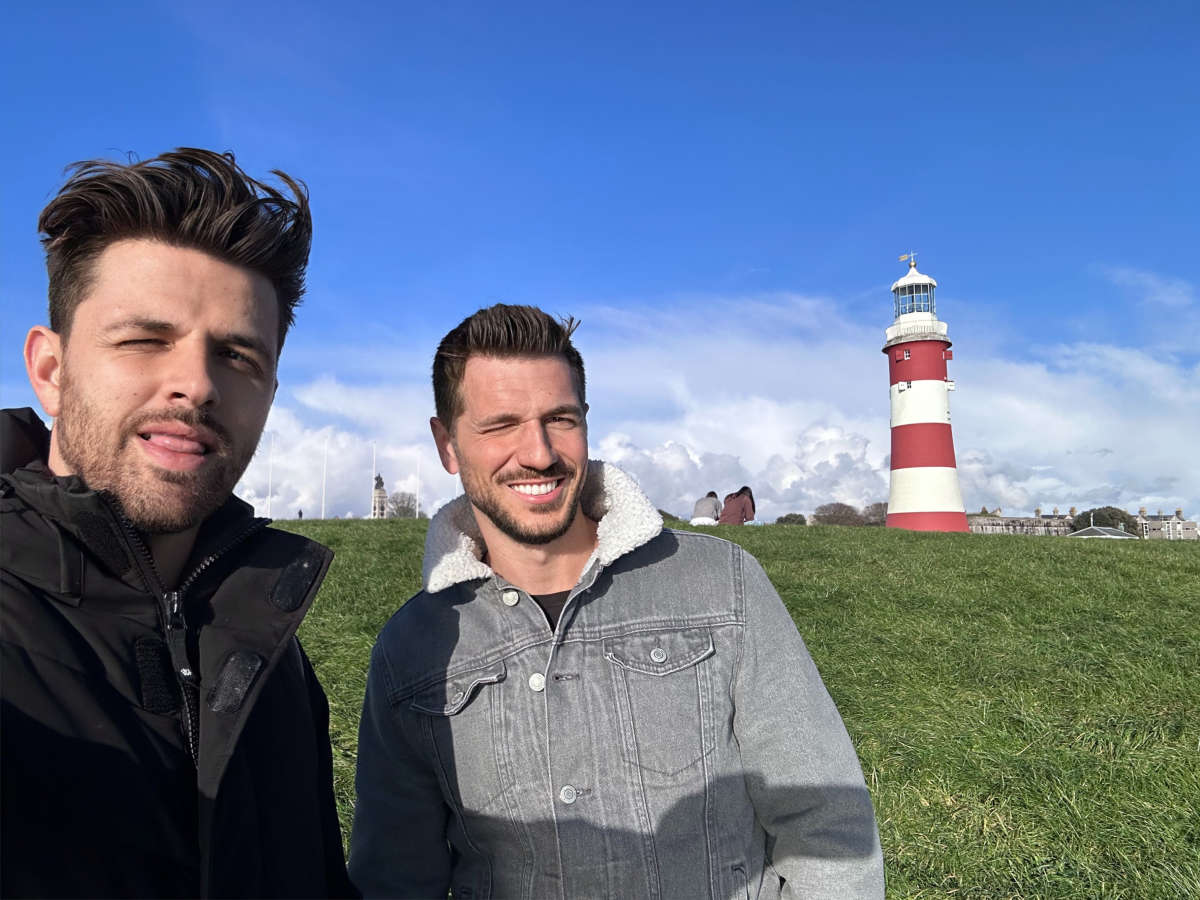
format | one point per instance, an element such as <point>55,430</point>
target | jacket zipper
<point>175,622</point>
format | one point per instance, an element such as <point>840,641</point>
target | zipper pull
<point>177,635</point>
<point>175,617</point>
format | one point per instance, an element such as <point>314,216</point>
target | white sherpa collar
<point>454,545</point>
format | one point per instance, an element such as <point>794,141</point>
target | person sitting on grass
<point>707,510</point>
<point>739,507</point>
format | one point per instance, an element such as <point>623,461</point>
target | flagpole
<point>270,472</point>
<point>371,505</point>
<point>324,474</point>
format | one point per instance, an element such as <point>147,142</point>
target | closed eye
<point>500,427</point>
<point>134,342</point>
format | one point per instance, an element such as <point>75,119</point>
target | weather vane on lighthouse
<point>924,494</point>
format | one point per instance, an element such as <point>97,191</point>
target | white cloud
<point>1152,288</point>
<point>1165,316</point>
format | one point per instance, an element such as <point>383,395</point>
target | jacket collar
<point>627,520</point>
<point>90,517</point>
<point>23,438</point>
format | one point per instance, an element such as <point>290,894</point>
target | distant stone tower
<point>924,495</point>
<point>379,500</point>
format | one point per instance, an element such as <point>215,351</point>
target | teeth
<point>534,490</point>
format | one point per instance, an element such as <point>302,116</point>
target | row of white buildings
<point>1156,527</point>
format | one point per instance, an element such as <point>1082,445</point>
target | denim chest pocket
<point>664,697</point>
<point>462,720</point>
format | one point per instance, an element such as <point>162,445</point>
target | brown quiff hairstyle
<point>186,198</point>
<point>505,331</point>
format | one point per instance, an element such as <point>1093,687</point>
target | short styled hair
<point>186,198</point>
<point>501,330</point>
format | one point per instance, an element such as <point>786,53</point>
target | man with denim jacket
<point>581,703</point>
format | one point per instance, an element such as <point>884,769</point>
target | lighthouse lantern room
<point>924,495</point>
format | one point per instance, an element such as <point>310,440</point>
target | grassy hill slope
<point>1027,710</point>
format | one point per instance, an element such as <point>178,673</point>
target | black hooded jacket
<point>155,743</point>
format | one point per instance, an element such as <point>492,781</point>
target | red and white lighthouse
<point>924,495</point>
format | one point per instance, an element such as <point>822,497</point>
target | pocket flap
<point>447,698</point>
<point>660,653</point>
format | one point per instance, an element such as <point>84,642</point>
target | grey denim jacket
<point>670,739</point>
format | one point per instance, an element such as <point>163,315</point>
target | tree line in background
<point>840,514</point>
<point>1106,516</point>
<point>403,505</point>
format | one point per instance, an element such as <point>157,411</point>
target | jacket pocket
<point>663,696</point>
<point>462,720</point>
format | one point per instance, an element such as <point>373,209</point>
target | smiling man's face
<point>165,381</point>
<point>520,444</point>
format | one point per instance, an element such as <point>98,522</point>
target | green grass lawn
<point>1026,709</point>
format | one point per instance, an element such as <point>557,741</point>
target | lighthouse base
<point>928,521</point>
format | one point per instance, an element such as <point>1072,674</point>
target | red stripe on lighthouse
<point>922,444</point>
<point>929,521</point>
<point>926,361</point>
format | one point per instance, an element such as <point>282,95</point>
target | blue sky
<point>719,192</point>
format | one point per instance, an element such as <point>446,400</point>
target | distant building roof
<point>1102,531</point>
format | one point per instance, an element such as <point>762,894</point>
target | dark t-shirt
<point>552,605</point>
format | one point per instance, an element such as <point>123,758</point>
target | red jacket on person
<point>738,510</point>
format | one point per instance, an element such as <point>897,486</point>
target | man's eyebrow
<point>139,323</point>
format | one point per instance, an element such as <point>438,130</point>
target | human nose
<point>191,380</point>
<point>535,450</point>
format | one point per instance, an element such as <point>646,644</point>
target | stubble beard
<point>155,500</point>
<point>486,496</point>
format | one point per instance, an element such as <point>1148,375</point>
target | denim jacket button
<point>658,654</point>
<point>510,598</point>
<point>537,682</point>
<point>568,794</point>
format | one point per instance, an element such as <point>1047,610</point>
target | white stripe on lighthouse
<point>925,401</point>
<point>925,489</point>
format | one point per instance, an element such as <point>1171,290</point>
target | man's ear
<point>445,445</point>
<point>44,365</point>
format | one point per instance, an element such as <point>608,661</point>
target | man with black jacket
<point>163,733</point>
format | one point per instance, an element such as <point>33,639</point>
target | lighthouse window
<point>914,298</point>
<point>907,354</point>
